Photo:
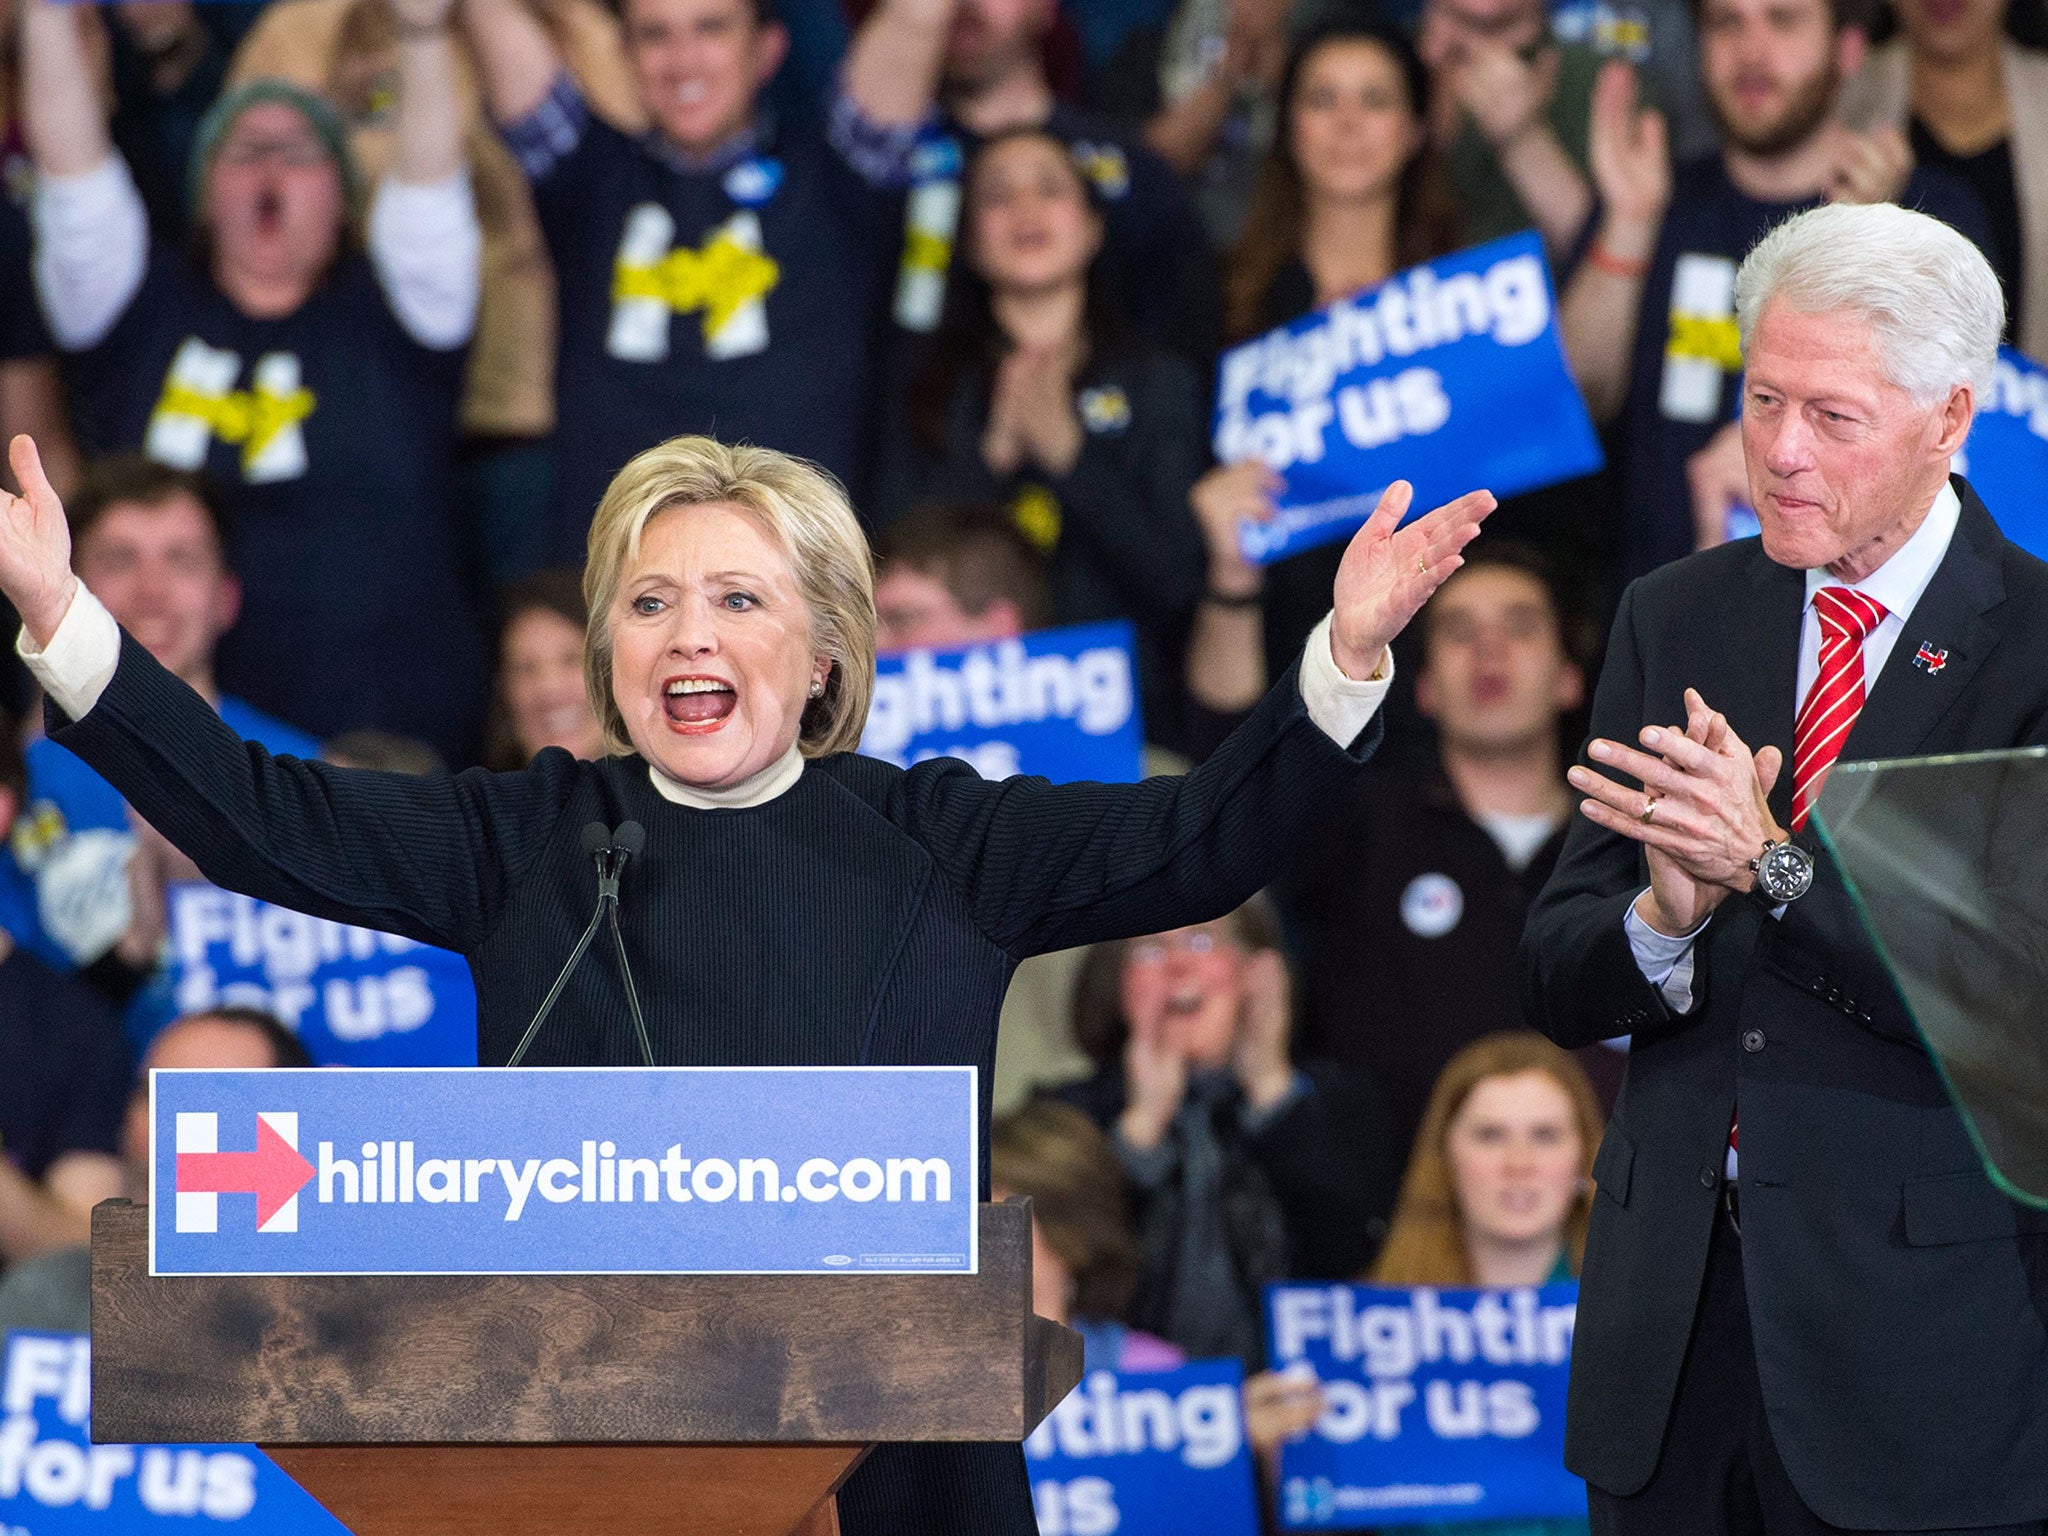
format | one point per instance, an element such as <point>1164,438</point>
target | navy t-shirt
<point>331,434</point>
<point>740,302</point>
<point>1683,379</point>
<point>64,1067</point>
<point>22,333</point>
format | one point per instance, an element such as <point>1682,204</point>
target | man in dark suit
<point>1805,1306</point>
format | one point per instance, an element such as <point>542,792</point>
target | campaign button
<point>1431,905</point>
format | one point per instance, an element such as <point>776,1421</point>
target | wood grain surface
<point>575,1490</point>
<point>846,1359</point>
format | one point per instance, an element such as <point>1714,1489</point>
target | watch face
<point>1786,872</point>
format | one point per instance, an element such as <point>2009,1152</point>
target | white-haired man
<point>1861,1339</point>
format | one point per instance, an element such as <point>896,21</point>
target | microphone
<point>610,850</point>
<point>627,843</point>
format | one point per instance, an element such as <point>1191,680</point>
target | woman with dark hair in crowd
<point>1968,81</point>
<point>1084,1260</point>
<point>1350,193</point>
<point>1498,1193</point>
<point>540,699</point>
<point>1037,395</point>
<point>1248,1169</point>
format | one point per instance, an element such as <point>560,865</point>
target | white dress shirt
<point>78,663</point>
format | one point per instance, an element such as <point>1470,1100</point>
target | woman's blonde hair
<point>1425,1241</point>
<point>804,509</point>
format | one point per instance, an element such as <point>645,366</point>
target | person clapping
<point>1248,1169</point>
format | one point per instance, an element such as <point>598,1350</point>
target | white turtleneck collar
<point>755,789</point>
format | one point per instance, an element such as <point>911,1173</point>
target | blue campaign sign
<point>563,1170</point>
<point>1449,375</point>
<point>1137,1453</point>
<point>54,1481</point>
<point>2006,457</point>
<point>356,997</point>
<point>1061,703</point>
<point>1440,1405</point>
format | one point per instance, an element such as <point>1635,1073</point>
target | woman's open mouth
<point>698,704</point>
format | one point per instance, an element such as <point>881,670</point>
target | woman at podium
<point>794,903</point>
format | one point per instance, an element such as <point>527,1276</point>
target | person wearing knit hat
<point>314,378</point>
<point>227,110</point>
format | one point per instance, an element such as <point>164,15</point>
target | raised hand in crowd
<point>1701,814</point>
<point>1031,417</point>
<point>1504,93</point>
<point>1226,661</point>
<point>1598,314</point>
<point>63,113</point>
<point>429,122</point>
<point>1506,89</point>
<point>1184,132</point>
<point>515,54</point>
<point>1867,167</point>
<point>154,866</point>
<point>1155,1078</point>
<point>1259,1057</point>
<point>1718,478</point>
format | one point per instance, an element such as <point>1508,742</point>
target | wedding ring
<point>1422,567</point>
<point>1649,809</point>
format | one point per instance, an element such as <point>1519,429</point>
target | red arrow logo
<point>273,1173</point>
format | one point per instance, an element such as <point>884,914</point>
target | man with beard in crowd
<point>1649,317</point>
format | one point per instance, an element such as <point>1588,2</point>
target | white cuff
<point>92,249</point>
<point>1666,962</point>
<point>428,249</point>
<point>78,663</point>
<point>1340,706</point>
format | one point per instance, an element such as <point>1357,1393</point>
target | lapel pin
<point>1929,660</point>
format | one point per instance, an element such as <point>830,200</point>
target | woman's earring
<point>817,690</point>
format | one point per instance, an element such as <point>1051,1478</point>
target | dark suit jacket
<point>867,915</point>
<point>1899,1302</point>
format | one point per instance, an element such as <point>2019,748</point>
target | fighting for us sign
<point>55,1481</point>
<point>564,1170</point>
<point>1438,1405</point>
<point>1450,375</point>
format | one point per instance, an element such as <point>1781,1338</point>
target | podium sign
<point>564,1170</point>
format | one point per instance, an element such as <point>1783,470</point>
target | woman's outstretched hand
<point>35,546</point>
<point>1389,572</point>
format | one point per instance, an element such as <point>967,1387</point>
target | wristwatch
<point>1784,872</point>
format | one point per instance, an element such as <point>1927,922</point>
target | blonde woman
<point>795,903</point>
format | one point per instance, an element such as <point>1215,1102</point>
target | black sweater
<point>867,915</point>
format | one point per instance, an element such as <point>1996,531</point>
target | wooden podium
<point>616,1405</point>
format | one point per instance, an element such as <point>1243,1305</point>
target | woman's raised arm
<point>1046,866</point>
<point>429,858</point>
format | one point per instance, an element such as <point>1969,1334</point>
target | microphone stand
<point>611,851</point>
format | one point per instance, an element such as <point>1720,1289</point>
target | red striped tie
<point>1836,698</point>
<point>1832,704</point>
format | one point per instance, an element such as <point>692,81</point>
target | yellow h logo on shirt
<point>199,403</point>
<point>726,278</point>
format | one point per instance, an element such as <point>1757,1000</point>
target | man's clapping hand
<point>1701,815</point>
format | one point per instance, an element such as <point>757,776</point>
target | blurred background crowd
<point>333,318</point>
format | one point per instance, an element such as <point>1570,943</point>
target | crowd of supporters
<point>332,319</point>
